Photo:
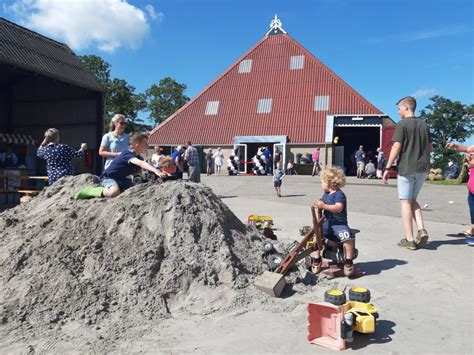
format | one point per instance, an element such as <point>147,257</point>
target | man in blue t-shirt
<point>360,161</point>
<point>178,161</point>
<point>115,179</point>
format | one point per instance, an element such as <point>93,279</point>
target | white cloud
<point>105,24</point>
<point>154,16</point>
<point>423,93</point>
<point>422,35</point>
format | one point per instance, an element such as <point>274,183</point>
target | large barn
<point>43,84</point>
<point>278,95</point>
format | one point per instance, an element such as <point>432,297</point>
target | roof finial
<point>276,27</point>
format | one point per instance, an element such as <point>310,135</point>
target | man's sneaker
<point>404,243</point>
<point>421,237</point>
<point>470,241</point>
<point>348,270</point>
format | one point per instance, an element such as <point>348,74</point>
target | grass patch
<point>445,182</point>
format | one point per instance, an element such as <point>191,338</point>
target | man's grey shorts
<point>360,165</point>
<point>410,185</point>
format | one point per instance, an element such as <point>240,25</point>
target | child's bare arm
<point>144,165</point>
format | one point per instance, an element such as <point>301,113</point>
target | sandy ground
<point>424,297</point>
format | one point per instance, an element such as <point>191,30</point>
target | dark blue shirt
<point>331,199</point>
<point>121,168</point>
<point>359,155</point>
<point>58,160</point>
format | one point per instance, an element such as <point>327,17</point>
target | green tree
<point>448,121</point>
<point>165,99</point>
<point>98,67</point>
<point>120,97</point>
<point>123,99</point>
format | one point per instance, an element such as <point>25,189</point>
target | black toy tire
<point>137,180</point>
<point>359,294</point>
<point>267,246</point>
<point>335,297</point>
<point>274,261</point>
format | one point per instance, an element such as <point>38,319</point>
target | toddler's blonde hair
<point>334,177</point>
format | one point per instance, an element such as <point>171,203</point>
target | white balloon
<point>236,159</point>
<point>261,168</point>
<point>258,165</point>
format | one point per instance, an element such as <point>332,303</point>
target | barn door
<point>241,152</point>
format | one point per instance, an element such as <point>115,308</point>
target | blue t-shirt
<point>116,144</point>
<point>278,173</point>
<point>331,199</point>
<point>359,155</point>
<point>121,168</point>
<point>58,160</point>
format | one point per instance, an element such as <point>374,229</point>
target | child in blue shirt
<point>334,206</point>
<point>278,176</point>
<point>115,179</point>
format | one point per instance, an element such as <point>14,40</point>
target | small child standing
<point>334,206</point>
<point>116,178</point>
<point>278,176</point>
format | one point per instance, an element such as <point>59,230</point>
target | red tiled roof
<point>292,93</point>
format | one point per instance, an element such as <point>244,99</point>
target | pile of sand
<point>152,251</point>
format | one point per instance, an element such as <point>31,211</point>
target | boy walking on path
<point>412,145</point>
<point>278,176</point>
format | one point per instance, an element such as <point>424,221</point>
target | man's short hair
<point>138,138</point>
<point>409,101</point>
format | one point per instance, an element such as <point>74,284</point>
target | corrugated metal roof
<point>292,92</point>
<point>31,51</point>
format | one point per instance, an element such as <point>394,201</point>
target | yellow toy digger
<point>332,323</point>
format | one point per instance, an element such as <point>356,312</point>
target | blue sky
<point>384,49</point>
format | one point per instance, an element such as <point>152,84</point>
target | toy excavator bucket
<point>254,219</point>
<point>324,325</point>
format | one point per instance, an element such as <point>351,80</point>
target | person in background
<point>218,160</point>
<point>209,162</point>
<point>178,161</point>
<point>380,162</point>
<point>278,176</point>
<point>58,156</point>
<point>192,158</point>
<point>452,172</point>
<point>316,166</point>
<point>370,170</point>
<point>412,146</point>
<point>116,141</point>
<point>470,187</point>
<point>8,158</point>
<point>360,161</point>
<point>269,162</point>
<point>156,156</point>
<point>290,168</point>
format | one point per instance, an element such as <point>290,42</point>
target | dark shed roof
<point>31,51</point>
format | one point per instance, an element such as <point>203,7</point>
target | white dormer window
<point>212,107</point>
<point>245,66</point>
<point>264,106</point>
<point>321,103</point>
<point>296,62</point>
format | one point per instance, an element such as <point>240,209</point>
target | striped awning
<point>12,138</point>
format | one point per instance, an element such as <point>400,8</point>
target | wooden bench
<point>22,190</point>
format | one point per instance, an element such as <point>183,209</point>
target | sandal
<point>466,233</point>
